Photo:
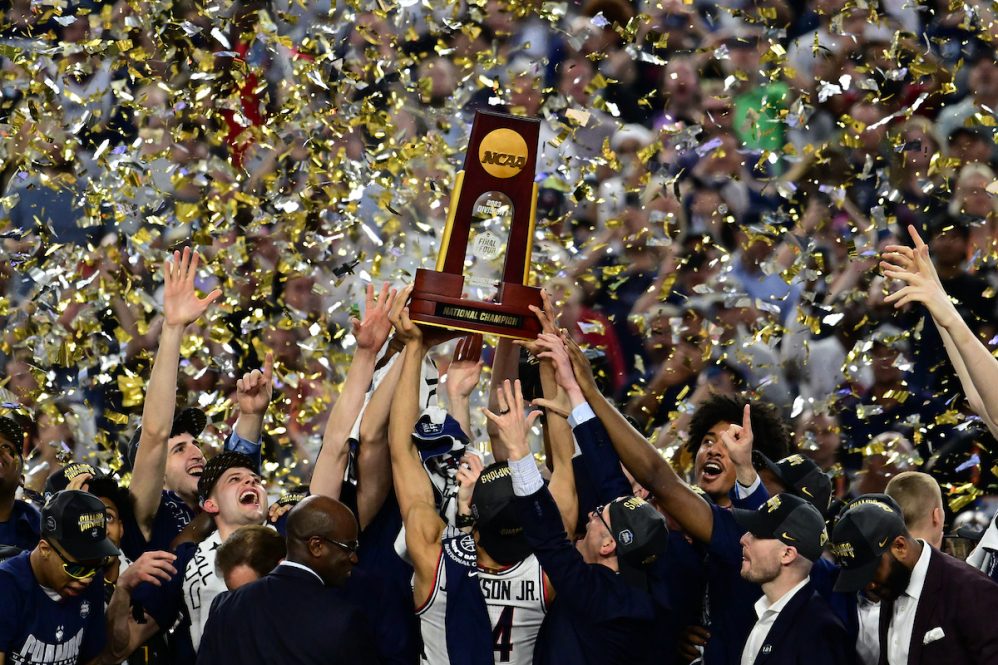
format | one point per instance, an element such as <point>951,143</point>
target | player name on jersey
<point>509,589</point>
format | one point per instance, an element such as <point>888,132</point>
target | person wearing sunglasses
<point>53,596</point>
<point>304,594</point>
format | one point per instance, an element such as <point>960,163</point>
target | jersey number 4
<point>502,635</point>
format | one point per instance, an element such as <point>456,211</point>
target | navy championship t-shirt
<point>171,517</point>
<point>36,629</point>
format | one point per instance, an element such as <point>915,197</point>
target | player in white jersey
<point>469,587</point>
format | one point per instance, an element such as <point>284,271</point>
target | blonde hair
<point>918,494</point>
<point>969,171</point>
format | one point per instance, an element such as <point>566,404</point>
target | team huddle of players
<point>408,547</point>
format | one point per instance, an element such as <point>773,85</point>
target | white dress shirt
<point>767,614</point>
<point>868,640</point>
<point>903,618</point>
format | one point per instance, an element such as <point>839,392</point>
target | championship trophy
<point>480,284</point>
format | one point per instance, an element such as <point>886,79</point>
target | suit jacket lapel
<point>784,622</point>
<point>925,611</point>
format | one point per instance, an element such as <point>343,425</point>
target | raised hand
<point>511,423</point>
<point>405,330</point>
<point>152,567</point>
<point>914,268</point>
<point>373,330</point>
<point>467,475</point>
<point>552,348</point>
<point>738,440</point>
<point>580,365</point>
<point>181,304</point>
<point>465,368</point>
<point>548,318</point>
<point>255,390</point>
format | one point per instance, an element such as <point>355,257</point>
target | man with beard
<point>783,539</point>
<point>934,608</point>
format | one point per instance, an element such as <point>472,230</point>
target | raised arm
<point>374,468</point>
<point>423,526</point>
<point>370,334</point>
<point>462,378</point>
<point>124,633</point>
<point>181,306</point>
<point>506,365</point>
<point>561,394</point>
<point>641,459</point>
<point>973,362</point>
<point>253,394</point>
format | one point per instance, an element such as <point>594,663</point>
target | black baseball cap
<point>864,531</point>
<point>12,431</point>
<point>218,465</point>
<point>191,420</point>
<point>500,532</point>
<point>60,480</point>
<point>799,475</point>
<point>641,535</point>
<point>790,519</point>
<point>77,521</point>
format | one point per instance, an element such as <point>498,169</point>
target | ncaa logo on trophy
<point>481,279</point>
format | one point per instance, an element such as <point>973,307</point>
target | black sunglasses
<point>350,547</point>
<point>78,570</point>
<point>599,514</point>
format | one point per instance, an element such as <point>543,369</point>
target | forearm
<point>505,366</point>
<point>161,393</point>
<point>249,426</point>
<point>157,421</point>
<point>330,464</point>
<point>374,472</point>
<point>412,486</point>
<point>652,471</point>
<point>118,629</point>
<point>980,365</point>
<point>460,408</point>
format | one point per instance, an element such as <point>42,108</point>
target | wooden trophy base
<point>436,301</point>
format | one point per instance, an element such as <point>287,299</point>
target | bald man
<point>921,503</point>
<point>299,612</point>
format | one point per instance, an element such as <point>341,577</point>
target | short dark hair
<point>259,547</point>
<point>107,487</point>
<point>772,435</point>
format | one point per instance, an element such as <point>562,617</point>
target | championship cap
<point>60,480</point>
<point>499,530</point>
<point>864,531</point>
<point>641,535</point>
<point>802,477</point>
<point>790,519</point>
<point>77,521</point>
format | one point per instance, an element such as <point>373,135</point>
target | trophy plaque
<point>480,284</point>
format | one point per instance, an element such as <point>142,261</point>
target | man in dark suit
<point>785,536</point>
<point>297,613</point>
<point>934,608</point>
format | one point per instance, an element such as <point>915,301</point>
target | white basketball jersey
<point>514,598</point>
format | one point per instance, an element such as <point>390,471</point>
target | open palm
<point>181,304</point>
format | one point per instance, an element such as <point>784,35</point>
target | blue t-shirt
<point>23,528</point>
<point>36,629</point>
<point>730,599</point>
<point>171,517</point>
